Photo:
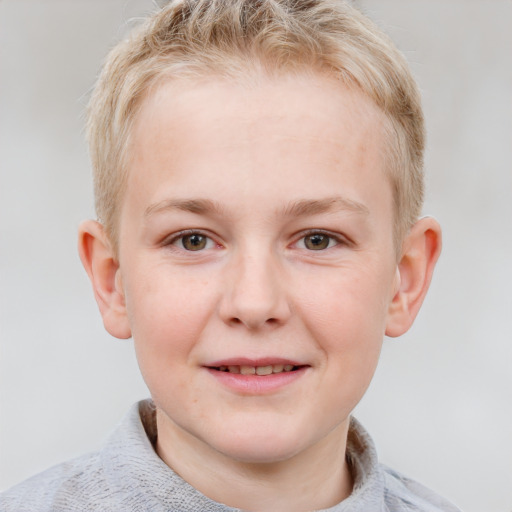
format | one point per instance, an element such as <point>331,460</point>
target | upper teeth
<point>257,370</point>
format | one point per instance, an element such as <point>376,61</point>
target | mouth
<point>253,377</point>
<point>261,370</point>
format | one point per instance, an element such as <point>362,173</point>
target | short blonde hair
<point>231,38</point>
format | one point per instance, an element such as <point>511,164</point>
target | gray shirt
<point>127,475</point>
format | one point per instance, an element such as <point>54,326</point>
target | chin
<point>257,455</point>
<point>260,447</point>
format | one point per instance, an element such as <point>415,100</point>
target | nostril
<point>254,324</point>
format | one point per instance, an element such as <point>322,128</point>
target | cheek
<point>348,308</point>
<point>167,313</point>
<point>167,324</point>
<point>346,317</point>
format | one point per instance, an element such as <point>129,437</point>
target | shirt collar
<point>135,471</point>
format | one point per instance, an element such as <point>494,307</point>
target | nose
<point>255,294</point>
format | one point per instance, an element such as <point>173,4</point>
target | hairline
<point>194,74</point>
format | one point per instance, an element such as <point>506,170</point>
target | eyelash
<point>182,235</point>
<point>337,239</point>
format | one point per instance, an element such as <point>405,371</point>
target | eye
<point>193,242</point>
<point>317,241</point>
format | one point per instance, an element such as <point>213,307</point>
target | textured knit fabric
<point>128,476</point>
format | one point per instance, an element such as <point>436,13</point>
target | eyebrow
<point>330,204</point>
<point>299,208</point>
<point>199,206</point>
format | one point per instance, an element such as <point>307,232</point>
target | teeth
<point>257,370</point>
<point>264,370</point>
<point>247,370</point>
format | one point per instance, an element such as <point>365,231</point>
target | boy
<point>258,182</point>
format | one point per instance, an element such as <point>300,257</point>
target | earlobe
<point>421,250</point>
<point>103,270</point>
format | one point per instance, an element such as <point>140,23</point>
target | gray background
<point>440,406</point>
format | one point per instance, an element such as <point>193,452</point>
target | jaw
<point>274,458</point>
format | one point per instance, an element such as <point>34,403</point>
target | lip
<point>261,361</point>
<point>256,384</point>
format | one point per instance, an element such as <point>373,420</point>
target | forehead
<point>280,133</point>
<point>286,100</point>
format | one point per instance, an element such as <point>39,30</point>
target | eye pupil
<point>194,242</point>
<point>316,242</point>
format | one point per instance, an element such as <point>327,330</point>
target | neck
<point>317,478</point>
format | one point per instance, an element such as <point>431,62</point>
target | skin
<point>257,171</point>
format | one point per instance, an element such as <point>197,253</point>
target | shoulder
<point>75,485</point>
<point>378,487</point>
<point>402,494</point>
<point>115,478</point>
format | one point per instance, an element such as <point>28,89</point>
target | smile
<point>256,370</point>
<point>257,377</point>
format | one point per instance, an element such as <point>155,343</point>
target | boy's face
<point>257,231</point>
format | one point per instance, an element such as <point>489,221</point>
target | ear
<point>103,270</point>
<point>421,250</point>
